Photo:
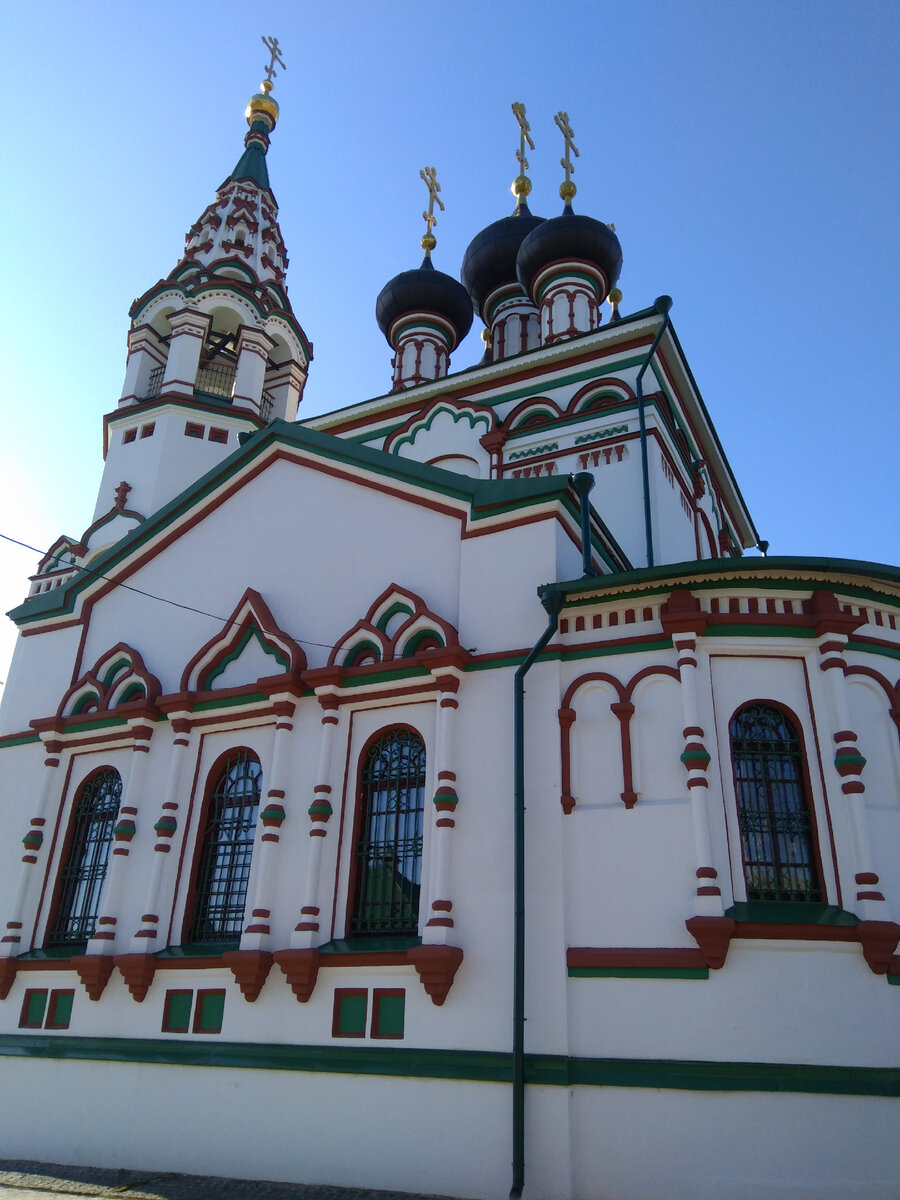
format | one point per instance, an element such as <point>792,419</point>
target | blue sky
<point>747,155</point>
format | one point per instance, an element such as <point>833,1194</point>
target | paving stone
<point>21,1180</point>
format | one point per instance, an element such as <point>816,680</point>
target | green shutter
<point>388,1012</point>
<point>33,1008</point>
<point>177,1012</point>
<point>350,1013</point>
<point>208,1015</point>
<point>60,1009</point>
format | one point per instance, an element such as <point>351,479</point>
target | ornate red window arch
<point>386,874</point>
<point>86,858</point>
<point>225,849</point>
<point>775,817</point>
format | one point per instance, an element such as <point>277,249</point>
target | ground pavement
<point>39,1181</point>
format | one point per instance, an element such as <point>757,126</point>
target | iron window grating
<point>81,879</point>
<point>224,870</point>
<point>388,852</point>
<point>776,825</point>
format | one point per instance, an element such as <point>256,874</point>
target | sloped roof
<point>484,502</point>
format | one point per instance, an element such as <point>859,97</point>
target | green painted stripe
<point>639,972</point>
<point>18,739</point>
<point>483,1066</point>
<point>386,677</point>
<point>866,648</point>
<point>104,723</point>
<point>230,701</point>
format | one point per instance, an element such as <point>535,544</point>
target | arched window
<point>777,832</point>
<point>91,837</point>
<point>388,847</point>
<point>223,870</point>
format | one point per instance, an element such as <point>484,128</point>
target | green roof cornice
<point>850,576</point>
<point>485,500</point>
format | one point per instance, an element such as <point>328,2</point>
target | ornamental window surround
<point>386,871</point>
<point>224,850</point>
<point>86,859</point>
<point>775,817</point>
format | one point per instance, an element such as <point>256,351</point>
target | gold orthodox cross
<point>271,44</point>
<point>429,176</point>
<point>524,136</point>
<point>562,123</point>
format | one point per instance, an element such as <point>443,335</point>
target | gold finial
<point>614,299</point>
<point>262,105</point>
<point>429,241</point>
<point>486,336</point>
<point>522,184</point>
<point>567,189</point>
<point>271,44</point>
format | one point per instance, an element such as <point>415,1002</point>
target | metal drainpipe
<point>582,484</point>
<point>662,304</point>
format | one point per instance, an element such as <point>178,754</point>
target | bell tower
<point>214,348</point>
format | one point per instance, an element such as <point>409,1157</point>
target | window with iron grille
<point>388,851</point>
<point>226,850</point>
<point>776,824</point>
<point>82,876</point>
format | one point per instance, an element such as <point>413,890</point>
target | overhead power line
<point>152,595</point>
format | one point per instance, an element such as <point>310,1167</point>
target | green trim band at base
<point>638,972</point>
<point>778,912</point>
<point>482,1066</point>
<point>380,943</point>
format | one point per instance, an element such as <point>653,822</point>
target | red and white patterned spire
<point>241,225</point>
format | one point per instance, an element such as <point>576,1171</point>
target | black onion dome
<point>571,236</point>
<point>490,258</point>
<point>425,290</point>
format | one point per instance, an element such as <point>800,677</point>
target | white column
<point>253,352</point>
<point>144,354</point>
<point>306,932</point>
<point>11,942</point>
<point>286,386</point>
<point>257,931</point>
<point>440,918</point>
<point>849,762</point>
<point>104,936</point>
<point>145,939</point>
<point>189,329</point>
<point>708,902</point>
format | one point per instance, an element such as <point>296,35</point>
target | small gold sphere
<point>428,242</point>
<point>567,190</point>
<point>486,336</point>
<point>521,186</point>
<point>615,296</point>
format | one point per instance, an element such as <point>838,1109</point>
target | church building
<point>431,795</point>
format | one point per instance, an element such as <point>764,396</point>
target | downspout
<point>582,484</point>
<point>662,304</point>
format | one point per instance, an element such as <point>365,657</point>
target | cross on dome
<point>271,44</point>
<point>567,189</point>
<point>429,176</point>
